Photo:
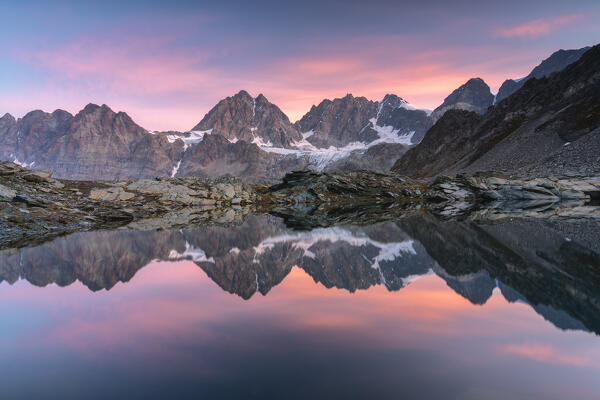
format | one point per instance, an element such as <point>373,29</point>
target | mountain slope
<point>549,126</point>
<point>216,156</point>
<point>556,62</point>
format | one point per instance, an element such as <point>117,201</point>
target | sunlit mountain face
<point>216,311</point>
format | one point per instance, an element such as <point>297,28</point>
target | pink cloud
<point>546,354</point>
<point>124,67</point>
<point>423,78</point>
<point>168,87</point>
<point>539,27</point>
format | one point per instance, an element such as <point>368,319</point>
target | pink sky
<point>167,70</point>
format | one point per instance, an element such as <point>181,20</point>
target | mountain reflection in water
<point>167,330</point>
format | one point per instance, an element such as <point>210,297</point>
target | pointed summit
<point>90,108</point>
<point>254,120</point>
<point>243,94</point>
<point>558,61</point>
<point>7,118</point>
<point>340,121</point>
<point>473,95</point>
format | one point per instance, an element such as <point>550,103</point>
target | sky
<point>168,63</point>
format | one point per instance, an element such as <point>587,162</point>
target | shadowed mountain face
<point>553,266</point>
<point>474,96</point>
<point>556,62</point>
<point>551,126</point>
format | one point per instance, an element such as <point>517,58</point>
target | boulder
<point>38,176</point>
<point>110,194</point>
<point>7,193</point>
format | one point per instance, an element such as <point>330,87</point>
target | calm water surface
<point>416,308</point>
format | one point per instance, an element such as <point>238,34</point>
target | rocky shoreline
<point>35,207</point>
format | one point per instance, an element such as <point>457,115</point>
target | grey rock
<point>7,193</point>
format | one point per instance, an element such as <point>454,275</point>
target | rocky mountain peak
<point>254,120</point>
<point>61,114</point>
<point>557,61</point>
<point>104,119</point>
<point>395,112</point>
<point>473,95</point>
<point>350,119</point>
<point>7,118</point>
<point>340,121</point>
<point>392,100</point>
<point>242,94</point>
<point>261,98</point>
<point>34,114</point>
<point>89,108</point>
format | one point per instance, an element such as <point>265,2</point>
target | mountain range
<point>252,138</point>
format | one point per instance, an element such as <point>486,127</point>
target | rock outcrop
<point>306,187</point>
<point>34,206</point>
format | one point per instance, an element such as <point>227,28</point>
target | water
<point>412,308</point>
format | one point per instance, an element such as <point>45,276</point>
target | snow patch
<point>21,163</point>
<point>306,240</point>
<point>319,157</point>
<point>322,157</point>
<point>387,134</point>
<point>175,169</point>
<point>406,105</point>
<point>412,278</point>
<point>191,253</point>
<point>262,144</point>
<point>189,138</point>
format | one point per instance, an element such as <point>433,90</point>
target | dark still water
<point>416,308</point>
